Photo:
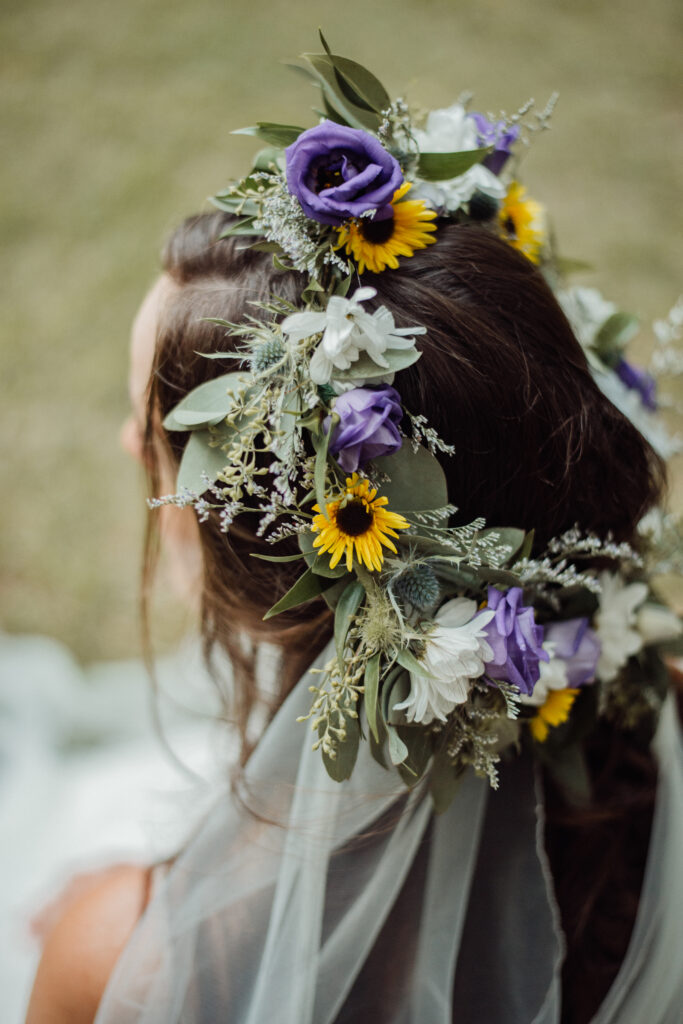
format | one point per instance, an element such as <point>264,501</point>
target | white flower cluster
<point>347,331</point>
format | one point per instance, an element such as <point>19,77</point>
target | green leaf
<point>396,693</point>
<point>417,482</point>
<point>341,767</point>
<point>397,360</point>
<point>443,166</point>
<point>347,606</point>
<point>279,135</point>
<point>276,558</point>
<point>510,535</point>
<point>398,751</point>
<point>355,115</point>
<point>371,697</point>
<point>320,564</point>
<point>615,333</point>
<point>411,664</point>
<point>321,443</point>
<point>419,747</point>
<point>242,229</point>
<point>198,458</point>
<point>265,158</point>
<point>335,591</point>
<point>306,588</point>
<point>525,550</point>
<point>208,403</point>
<point>444,782</point>
<point>567,265</point>
<point>357,83</point>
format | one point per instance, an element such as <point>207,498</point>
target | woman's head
<point>501,377</point>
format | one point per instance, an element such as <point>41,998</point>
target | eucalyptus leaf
<point>341,767</point>
<point>419,753</point>
<point>527,546</point>
<point>498,577</point>
<point>243,228</point>
<point>347,606</point>
<point>333,593</point>
<point>276,558</point>
<point>279,135</point>
<point>416,480</point>
<point>398,751</point>
<point>616,332</point>
<point>509,535</point>
<point>444,166</point>
<point>398,692</point>
<point>409,662</point>
<point>371,693</point>
<point>306,588</point>
<point>199,458</point>
<point>320,564</point>
<point>265,158</point>
<point>444,782</point>
<point>366,368</point>
<point>213,399</point>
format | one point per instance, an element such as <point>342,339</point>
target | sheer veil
<point>322,902</point>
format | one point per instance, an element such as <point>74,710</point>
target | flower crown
<point>451,644</point>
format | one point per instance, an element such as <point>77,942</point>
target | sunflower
<point>376,244</point>
<point>360,520</point>
<point>521,222</point>
<point>554,711</point>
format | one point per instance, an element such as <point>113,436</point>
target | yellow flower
<point>357,520</point>
<point>376,244</point>
<point>521,222</point>
<point>553,712</point>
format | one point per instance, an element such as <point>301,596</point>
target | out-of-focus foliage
<point>116,122</point>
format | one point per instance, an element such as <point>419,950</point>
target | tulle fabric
<point>321,903</point>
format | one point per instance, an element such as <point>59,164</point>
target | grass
<point>116,124</point>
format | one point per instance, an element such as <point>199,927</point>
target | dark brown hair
<point>502,378</point>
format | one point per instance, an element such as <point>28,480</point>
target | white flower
<point>456,653</point>
<point>448,130</point>
<point>452,130</point>
<point>450,195</point>
<point>553,677</point>
<point>587,311</point>
<point>615,622</point>
<point>347,330</point>
<point>657,624</point>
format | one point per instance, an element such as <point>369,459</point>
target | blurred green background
<point>116,123</point>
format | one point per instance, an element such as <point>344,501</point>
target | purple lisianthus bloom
<point>368,426</point>
<point>516,640</point>
<point>498,135</point>
<point>638,380</point>
<point>337,172</point>
<point>577,645</point>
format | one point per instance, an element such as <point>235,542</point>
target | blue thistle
<point>417,585</point>
<point>266,355</point>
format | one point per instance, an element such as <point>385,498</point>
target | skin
<point>86,928</point>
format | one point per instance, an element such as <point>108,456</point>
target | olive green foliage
<point>116,123</point>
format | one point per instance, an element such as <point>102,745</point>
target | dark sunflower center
<point>377,231</point>
<point>354,518</point>
<point>510,227</point>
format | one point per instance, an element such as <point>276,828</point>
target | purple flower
<point>337,172</point>
<point>498,135</point>
<point>638,380</point>
<point>516,640</point>
<point>577,646</point>
<point>368,426</point>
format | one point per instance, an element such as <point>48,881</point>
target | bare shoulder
<point>83,945</point>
